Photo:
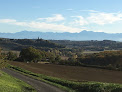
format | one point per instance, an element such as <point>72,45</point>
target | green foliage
<point>3,63</point>
<point>37,43</point>
<point>18,44</point>
<point>58,58</point>
<point>111,59</point>
<point>91,45</point>
<point>30,54</point>
<point>74,86</point>
<point>11,56</point>
<point>10,84</point>
<point>3,56</point>
<point>34,55</point>
<point>72,59</point>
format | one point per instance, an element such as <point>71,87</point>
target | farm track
<point>73,72</point>
<point>38,85</point>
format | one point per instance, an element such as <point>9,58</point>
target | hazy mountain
<point>83,35</point>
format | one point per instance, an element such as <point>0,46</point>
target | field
<point>10,84</point>
<point>73,72</point>
<point>92,52</point>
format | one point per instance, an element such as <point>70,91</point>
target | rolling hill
<point>18,44</point>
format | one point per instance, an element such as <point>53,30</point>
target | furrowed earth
<point>74,73</point>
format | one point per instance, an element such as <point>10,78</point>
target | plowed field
<point>73,72</point>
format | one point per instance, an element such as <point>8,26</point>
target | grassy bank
<point>10,84</point>
<point>71,86</point>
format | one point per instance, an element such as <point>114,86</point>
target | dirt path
<point>38,85</point>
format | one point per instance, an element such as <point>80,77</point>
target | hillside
<point>83,35</point>
<point>91,44</point>
<point>18,44</point>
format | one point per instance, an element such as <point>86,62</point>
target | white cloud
<point>55,18</point>
<point>99,18</point>
<point>20,23</point>
<point>99,31</point>
<point>79,20</point>
<point>7,20</point>
<point>104,18</point>
<point>89,10</point>
<point>43,26</point>
<point>56,27</point>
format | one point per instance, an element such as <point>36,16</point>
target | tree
<point>11,56</point>
<point>58,58</point>
<point>30,54</point>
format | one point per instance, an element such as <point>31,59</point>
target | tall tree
<point>30,54</point>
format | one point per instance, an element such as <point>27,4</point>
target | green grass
<point>11,84</point>
<point>71,86</point>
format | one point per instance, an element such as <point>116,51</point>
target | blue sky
<point>61,15</point>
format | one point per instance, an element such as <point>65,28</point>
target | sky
<point>61,15</point>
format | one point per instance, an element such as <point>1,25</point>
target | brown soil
<point>73,72</point>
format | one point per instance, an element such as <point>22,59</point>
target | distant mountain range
<point>83,35</point>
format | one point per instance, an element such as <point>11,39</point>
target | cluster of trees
<point>106,59</point>
<point>8,56</point>
<point>34,55</point>
<point>31,54</point>
<point>2,62</point>
<point>102,58</point>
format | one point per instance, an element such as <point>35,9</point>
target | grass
<point>11,84</point>
<point>72,86</point>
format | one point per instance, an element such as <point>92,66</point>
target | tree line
<point>31,54</point>
<point>106,59</point>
